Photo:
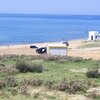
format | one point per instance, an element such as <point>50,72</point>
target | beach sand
<point>87,53</point>
<point>73,50</point>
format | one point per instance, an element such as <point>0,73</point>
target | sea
<point>39,28</point>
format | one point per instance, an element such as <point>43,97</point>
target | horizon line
<point>49,14</point>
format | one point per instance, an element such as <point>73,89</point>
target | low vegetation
<point>93,73</point>
<point>25,67</point>
<point>39,77</point>
<point>8,70</point>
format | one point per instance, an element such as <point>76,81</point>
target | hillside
<point>48,78</point>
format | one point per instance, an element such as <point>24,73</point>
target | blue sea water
<point>23,28</point>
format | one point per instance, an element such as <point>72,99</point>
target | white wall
<point>58,51</point>
<point>93,34</point>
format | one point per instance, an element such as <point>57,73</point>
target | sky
<point>80,7</point>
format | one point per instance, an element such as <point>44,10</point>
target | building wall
<point>93,35</point>
<point>58,51</point>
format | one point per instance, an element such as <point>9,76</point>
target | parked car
<point>41,50</point>
<point>66,43</point>
<point>33,46</point>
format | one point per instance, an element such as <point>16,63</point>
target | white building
<point>93,35</point>
<point>57,49</point>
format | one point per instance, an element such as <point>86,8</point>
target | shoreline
<point>40,42</point>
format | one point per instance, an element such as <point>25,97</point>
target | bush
<point>76,86</point>
<point>8,70</point>
<point>24,67</point>
<point>11,81</point>
<point>23,89</point>
<point>93,73</point>
<point>23,86</point>
<point>21,66</point>
<point>2,84</point>
<point>32,82</point>
<point>63,86</point>
<point>50,84</point>
<point>37,68</point>
<point>67,86</point>
<point>25,82</point>
<point>4,58</point>
<point>71,86</point>
<point>36,82</point>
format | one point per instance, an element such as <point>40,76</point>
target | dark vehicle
<point>66,43</point>
<point>33,46</point>
<point>41,50</point>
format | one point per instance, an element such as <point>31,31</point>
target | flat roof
<point>56,45</point>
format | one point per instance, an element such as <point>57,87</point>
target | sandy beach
<point>73,49</point>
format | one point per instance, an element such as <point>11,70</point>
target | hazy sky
<point>90,7</point>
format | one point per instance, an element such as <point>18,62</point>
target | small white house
<point>57,49</point>
<point>93,35</point>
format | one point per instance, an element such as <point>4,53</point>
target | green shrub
<point>93,73</point>
<point>24,67</point>
<point>37,68</point>
<point>21,66</point>
<point>2,84</point>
